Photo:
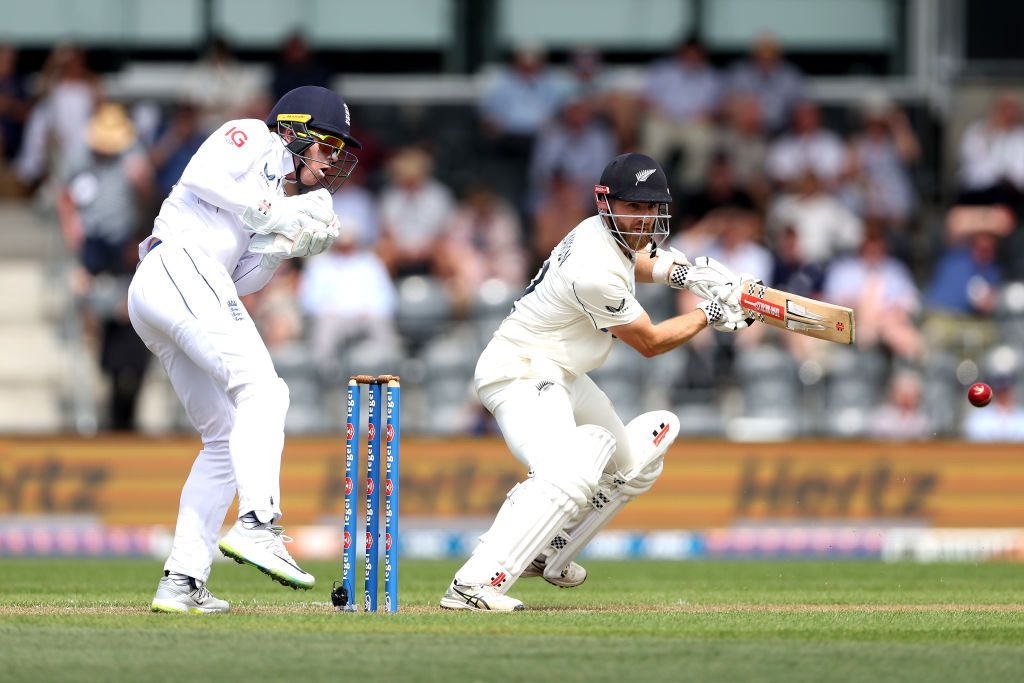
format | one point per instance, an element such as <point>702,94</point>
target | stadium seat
<point>424,309</point>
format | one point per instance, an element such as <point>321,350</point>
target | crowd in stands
<point>762,180</point>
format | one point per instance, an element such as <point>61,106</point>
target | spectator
<point>992,156</point>
<point>348,297</point>
<point>221,87</point>
<point>175,145</point>
<point>720,192</point>
<point>962,293</point>
<point>14,104</point>
<point>901,417</point>
<point>574,144</point>
<point>587,78</point>
<point>482,242</point>
<point>296,66</point>
<point>879,155</point>
<point>682,95</point>
<point>358,206</point>
<point>523,97</point>
<point>67,95</point>
<point>806,148</point>
<point>882,292</point>
<point>823,226</point>
<point>559,206</point>
<point>744,142</point>
<point>415,209</point>
<point>103,192</point>
<point>776,83</point>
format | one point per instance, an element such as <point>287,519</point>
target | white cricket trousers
<point>186,309</point>
<point>530,420</point>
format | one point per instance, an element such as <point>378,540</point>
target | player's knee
<point>650,436</point>
<point>577,462</point>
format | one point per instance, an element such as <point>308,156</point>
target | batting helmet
<point>635,178</point>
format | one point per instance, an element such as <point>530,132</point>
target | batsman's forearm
<point>674,332</point>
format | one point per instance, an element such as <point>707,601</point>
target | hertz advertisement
<point>136,481</point>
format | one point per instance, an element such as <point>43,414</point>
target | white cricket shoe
<point>484,598</point>
<point>572,576</point>
<point>263,548</point>
<point>177,594</point>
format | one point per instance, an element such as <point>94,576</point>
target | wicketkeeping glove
<point>313,238</point>
<point>282,215</point>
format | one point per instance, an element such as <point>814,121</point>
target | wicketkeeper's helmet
<point>634,178</point>
<point>310,114</point>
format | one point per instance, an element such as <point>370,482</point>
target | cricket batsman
<point>255,193</point>
<point>583,463</point>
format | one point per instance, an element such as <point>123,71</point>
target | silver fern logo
<point>642,176</point>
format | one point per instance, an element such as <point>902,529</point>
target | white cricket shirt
<point>558,328</point>
<point>241,163</point>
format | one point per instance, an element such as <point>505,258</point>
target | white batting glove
<point>281,215</point>
<point>706,277</point>
<point>733,317</point>
<point>665,271</point>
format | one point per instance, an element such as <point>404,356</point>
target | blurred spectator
<point>682,94</point>
<point>14,104</point>
<point>743,140</point>
<point>822,225</point>
<point>67,94</point>
<point>348,297</point>
<point>806,147</point>
<point>175,145</point>
<point>559,210</point>
<point>882,292</point>
<point>102,204</point>
<point>790,271</point>
<point>275,308</point>
<point>901,417</point>
<point>776,83</point>
<point>992,156</point>
<point>962,293</point>
<point>358,206</point>
<point>415,210</point>
<point>123,357</point>
<point>103,192</point>
<point>482,242</point>
<point>296,66</point>
<point>574,144</point>
<point>523,97</point>
<point>880,153</point>
<point>720,192</point>
<point>1000,421</point>
<point>587,78</point>
<point>221,87</point>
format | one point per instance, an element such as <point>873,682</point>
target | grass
<point>797,621</point>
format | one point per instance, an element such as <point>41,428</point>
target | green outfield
<point>798,621</point>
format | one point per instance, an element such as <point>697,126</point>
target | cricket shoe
<point>572,576</point>
<point>484,598</point>
<point>262,546</point>
<point>177,593</point>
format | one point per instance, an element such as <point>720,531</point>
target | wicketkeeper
<point>583,463</point>
<point>256,193</point>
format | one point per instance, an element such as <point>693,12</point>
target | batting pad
<point>650,436</point>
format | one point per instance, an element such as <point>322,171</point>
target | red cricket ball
<point>980,394</point>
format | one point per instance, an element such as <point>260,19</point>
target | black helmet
<point>310,114</point>
<point>634,178</point>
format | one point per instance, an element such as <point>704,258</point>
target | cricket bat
<point>799,314</point>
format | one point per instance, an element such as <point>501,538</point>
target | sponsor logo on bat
<point>761,306</point>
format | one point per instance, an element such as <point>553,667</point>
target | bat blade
<point>799,314</point>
